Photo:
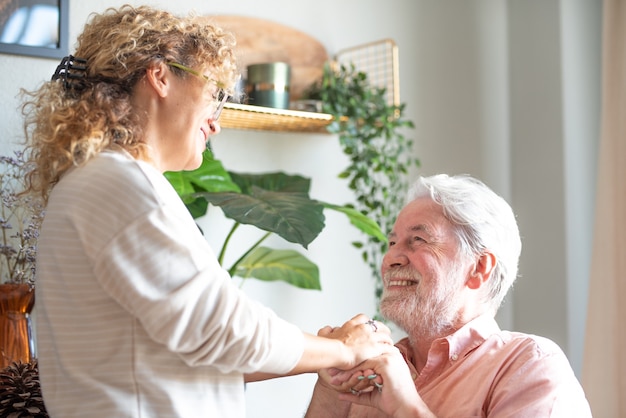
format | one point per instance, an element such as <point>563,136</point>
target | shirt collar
<point>459,343</point>
<point>470,335</point>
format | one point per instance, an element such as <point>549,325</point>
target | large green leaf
<point>277,182</point>
<point>287,265</point>
<point>210,176</point>
<point>359,220</point>
<point>293,216</point>
<point>196,206</point>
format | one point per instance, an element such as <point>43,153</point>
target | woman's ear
<point>482,270</point>
<point>159,78</point>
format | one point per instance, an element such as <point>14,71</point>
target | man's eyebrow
<point>414,228</point>
<point>426,229</point>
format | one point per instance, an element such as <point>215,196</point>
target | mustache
<point>402,272</point>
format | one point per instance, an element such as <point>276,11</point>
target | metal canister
<point>267,84</point>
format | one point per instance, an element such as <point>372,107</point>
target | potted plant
<point>273,202</point>
<point>20,218</point>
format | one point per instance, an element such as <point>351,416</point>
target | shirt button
<point>454,357</point>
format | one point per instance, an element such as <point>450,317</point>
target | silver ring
<point>373,324</point>
<point>379,386</point>
<point>355,392</point>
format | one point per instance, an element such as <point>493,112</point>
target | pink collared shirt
<point>482,371</point>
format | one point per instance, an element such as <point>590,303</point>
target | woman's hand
<point>362,336</point>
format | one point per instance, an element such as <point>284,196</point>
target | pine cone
<point>20,394</point>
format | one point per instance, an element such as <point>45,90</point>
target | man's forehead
<point>421,211</point>
<point>422,215</point>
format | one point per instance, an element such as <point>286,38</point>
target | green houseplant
<point>273,202</point>
<point>372,134</point>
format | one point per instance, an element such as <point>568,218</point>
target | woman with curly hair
<point>135,317</point>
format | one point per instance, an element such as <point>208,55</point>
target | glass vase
<point>16,339</point>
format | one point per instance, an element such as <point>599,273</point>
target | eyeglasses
<point>220,98</point>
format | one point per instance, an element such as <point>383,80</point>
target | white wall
<point>505,91</point>
<point>554,49</point>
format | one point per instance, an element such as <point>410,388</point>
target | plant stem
<point>5,240</point>
<point>220,258</point>
<point>232,269</point>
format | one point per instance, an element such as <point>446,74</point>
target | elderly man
<point>452,257</point>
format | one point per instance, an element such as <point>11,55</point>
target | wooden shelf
<point>249,117</point>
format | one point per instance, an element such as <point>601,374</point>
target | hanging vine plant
<point>371,134</point>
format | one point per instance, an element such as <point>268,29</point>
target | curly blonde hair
<point>66,127</point>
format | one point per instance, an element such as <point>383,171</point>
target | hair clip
<point>72,71</point>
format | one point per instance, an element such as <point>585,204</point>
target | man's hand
<point>383,382</point>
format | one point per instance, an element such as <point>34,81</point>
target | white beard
<point>422,313</point>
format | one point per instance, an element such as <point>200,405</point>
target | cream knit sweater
<point>135,317</point>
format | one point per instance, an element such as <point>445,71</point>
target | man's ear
<point>159,78</point>
<point>482,270</point>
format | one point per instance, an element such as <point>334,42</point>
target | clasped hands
<point>360,378</point>
<point>382,381</point>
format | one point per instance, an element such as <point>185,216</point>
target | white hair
<point>483,221</point>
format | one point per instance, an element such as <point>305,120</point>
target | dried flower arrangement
<point>20,219</point>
